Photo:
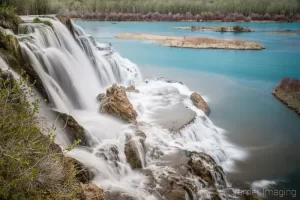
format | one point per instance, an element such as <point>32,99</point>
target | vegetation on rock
<point>288,91</point>
<point>31,166</point>
<point>47,23</point>
<point>8,18</point>
<point>194,42</point>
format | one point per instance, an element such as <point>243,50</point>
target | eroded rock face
<point>199,102</point>
<point>73,129</point>
<point>91,192</point>
<point>117,103</point>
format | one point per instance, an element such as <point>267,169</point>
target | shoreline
<point>194,42</point>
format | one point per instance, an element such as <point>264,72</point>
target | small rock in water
<point>199,102</point>
<point>101,97</point>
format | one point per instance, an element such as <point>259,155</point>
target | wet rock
<point>91,192</point>
<point>199,102</point>
<point>84,175</point>
<point>117,103</point>
<point>110,154</point>
<point>204,166</point>
<point>73,129</point>
<point>101,97</point>
<point>132,89</point>
<point>135,149</point>
<point>68,23</point>
<point>169,185</point>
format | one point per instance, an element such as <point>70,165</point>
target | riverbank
<point>194,42</point>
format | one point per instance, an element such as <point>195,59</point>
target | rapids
<point>75,71</point>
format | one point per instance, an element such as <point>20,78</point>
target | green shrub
<point>31,165</point>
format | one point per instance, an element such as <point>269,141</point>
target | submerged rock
<point>175,117</point>
<point>199,102</point>
<point>117,103</point>
<point>73,129</point>
<point>91,192</point>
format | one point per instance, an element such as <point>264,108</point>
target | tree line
<point>203,9</point>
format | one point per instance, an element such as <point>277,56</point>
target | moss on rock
<point>47,23</point>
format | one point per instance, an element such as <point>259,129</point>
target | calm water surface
<point>238,85</point>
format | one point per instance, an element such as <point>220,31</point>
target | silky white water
<point>75,71</point>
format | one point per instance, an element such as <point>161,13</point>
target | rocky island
<point>234,29</point>
<point>288,92</point>
<point>194,42</point>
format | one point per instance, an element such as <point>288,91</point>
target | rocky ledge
<point>288,92</point>
<point>194,42</point>
<point>115,102</point>
<point>234,29</point>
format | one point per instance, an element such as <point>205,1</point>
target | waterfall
<point>75,70</point>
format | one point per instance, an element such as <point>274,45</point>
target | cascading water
<point>75,72</point>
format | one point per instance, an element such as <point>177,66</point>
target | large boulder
<point>117,103</point>
<point>199,102</point>
<point>91,192</point>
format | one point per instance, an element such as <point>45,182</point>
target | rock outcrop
<point>288,92</point>
<point>204,166</point>
<point>135,150</point>
<point>68,23</point>
<point>193,172</point>
<point>199,102</point>
<point>91,192</point>
<point>116,102</point>
<point>72,128</point>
